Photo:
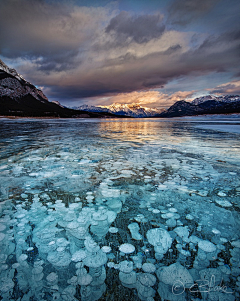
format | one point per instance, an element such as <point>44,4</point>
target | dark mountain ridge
<point>224,105</point>
<point>18,97</point>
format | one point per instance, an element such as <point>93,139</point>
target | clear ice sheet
<point>74,191</point>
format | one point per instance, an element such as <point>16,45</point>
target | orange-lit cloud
<point>232,87</point>
<point>151,99</point>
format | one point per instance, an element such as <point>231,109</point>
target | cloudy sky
<point>98,52</point>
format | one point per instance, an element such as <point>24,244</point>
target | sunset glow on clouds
<point>100,52</point>
<point>152,99</point>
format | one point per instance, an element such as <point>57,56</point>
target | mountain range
<point>204,105</point>
<point>130,110</point>
<point>18,97</point>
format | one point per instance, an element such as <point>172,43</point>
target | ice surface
<point>75,193</point>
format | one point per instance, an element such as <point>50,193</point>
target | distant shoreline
<point>233,115</point>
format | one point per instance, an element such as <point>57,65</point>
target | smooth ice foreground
<point>119,210</point>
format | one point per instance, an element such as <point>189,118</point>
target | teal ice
<point>132,209</point>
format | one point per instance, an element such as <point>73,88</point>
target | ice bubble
<point>171,222</point>
<point>223,203</point>
<point>96,260</point>
<point>83,277</point>
<point>24,196</point>
<point>73,280</point>
<point>22,257</point>
<point>2,235</point>
<point>141,218</point>
<point>223,240</point>
<point>20,215</point>
<point>3,267</point>
<point>182,232</point>
<point>116,266</point>
<point>160,239</point>
<point>172,210</point>
<point>155,211</point>
<point>61,249</point>
<point>236,243</point>
<point>58,202</point>
<point>175,273</point>
<point>79,256</point>
<point>38,263</point>
<point>69,217</point>
<point>113,230</point>
<point>147,279</point>
<point>206,246</point>
<point>216,231</point>
<point>115,205</point>
<point>62,242</point>
<point>59,260</point>
<point>73,225</point>
<point>221,193</point>
<point>2,227</point>
<point>127,248</point>
<point>91,245</point>
<point>194,239</point>
<point>15,265</point>
<point>170,215</point>
<point>148,267</point>
<point>128,279</point>
<point>111,264</point>
<point>137,261</point>
<point>106,249</point>
<point>52,278</point>
<point>134,228</point>
<point>189,217</point>
<point>209,274</point>
<point>126,266</point>
<point>167,215</point>
<point>6,285</point>
<point>203,193</point>
<point>37,270</point>
<point>145,292</point>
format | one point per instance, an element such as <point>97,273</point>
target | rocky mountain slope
<point>131,110</point>
<point>18,97</point>
<point>204,105</point>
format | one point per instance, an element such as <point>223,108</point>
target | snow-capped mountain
<point>225,99</point>
<point>18,97</point>
<point>13,85</point>
<point>91,108</point>
<point>131,110</point>
<point>204,105</point>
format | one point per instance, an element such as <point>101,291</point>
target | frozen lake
<point>131,209</point>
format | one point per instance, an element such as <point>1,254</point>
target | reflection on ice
<point>118,210</point>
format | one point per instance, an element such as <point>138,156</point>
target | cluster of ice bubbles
<point>54,251</point>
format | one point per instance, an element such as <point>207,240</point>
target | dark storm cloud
<point>76,52</point>
<point>221,40</point>
<point>223,89</point>
<point>58,62</point>
<point>140,29</point>
<point>172,49</point>
<point>182,12</point>
<point>232,87</point>
<point>50,32</point>
<point>154,70</point>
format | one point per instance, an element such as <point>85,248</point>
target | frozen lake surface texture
<point>133,209</point>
